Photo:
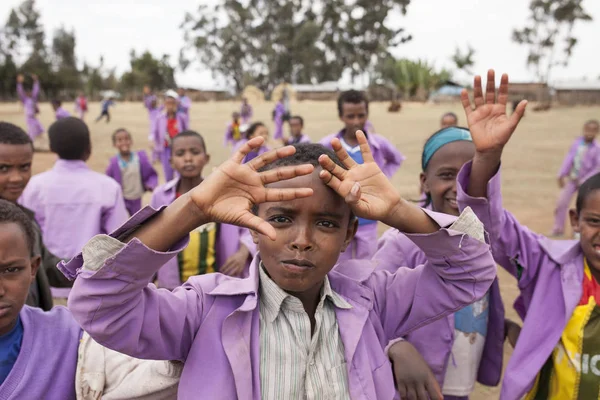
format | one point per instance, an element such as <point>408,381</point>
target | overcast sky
<point>112,28</point>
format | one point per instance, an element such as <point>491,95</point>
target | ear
<point>35,265</point>
<point>254,235</point>
<point>207,158</point>
<point>574,218</point>
<point>350,233</point>
<point>423,183</point>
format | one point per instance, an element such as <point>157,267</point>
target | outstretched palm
<point>490,126</point>
<point>229,193</point>
<point>364,186</point>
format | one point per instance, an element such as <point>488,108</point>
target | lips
<point>453,203</point>
<point>4,310</point>
<point>297,265</point>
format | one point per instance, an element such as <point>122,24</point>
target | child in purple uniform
<point>29,99</point>
<point>467,346</point>
<point>132,170</point>
<point>582,161</point>
<point>253,330</point>
<point>45,355</point>
<point>233,133</point>
<point>59,111</point>
<point>246,111</point>
<point>165,127</point>
<point>353,111</point>
<point>257,129</point>
<point>71,202</point>
<point>296,124</point>
<point>213,247</point>
<point>185,103</point>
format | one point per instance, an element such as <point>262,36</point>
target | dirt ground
<point>530,165</point>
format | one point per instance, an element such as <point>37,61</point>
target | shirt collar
<point>273,297</point>
<point>70,164</point>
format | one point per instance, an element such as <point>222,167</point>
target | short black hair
<point>12,213</point>
<point>13,135</point>
<point>299,118</point>
<point>189,133</point>
<point>592,122</point>
<point>252,128</point>
<point>351,96</point>
<point>589,186</point>
<point>115,133</point>
<point>56,102</point>
<point>450,114</point>
<point>306,153</point>
<point>69,138</point>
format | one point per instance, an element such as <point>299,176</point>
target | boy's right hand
<point>229,193</point>
<point>561,182</point>
<point>413,376</point>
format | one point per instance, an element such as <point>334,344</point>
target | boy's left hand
<point>365,188</point>
<point>235,264</point>
<point>490,126</point>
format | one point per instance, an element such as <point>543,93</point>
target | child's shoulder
<point>58,319</point>
<point>167,187</point>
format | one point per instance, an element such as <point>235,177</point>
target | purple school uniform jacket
<point>228,241</point>
<point>434,341</point>
<point>549,274</point>
<point>147,172</point>
<point>303,139</point>
<point>184,107</point>
<point>62,113</point>
<point>590,164</point>
<point>159,129</point>
<point>34,127</point>
<point>72,204</point>
<point>211,323</point>
<point>385,154</point>
<point>47,362</point>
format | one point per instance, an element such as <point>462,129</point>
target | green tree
<point>64,63</point>
<point>147,70</point>
<point>464,61</point>
<point>265,42</point>
<point>414,79</point>
<point>549,26</point>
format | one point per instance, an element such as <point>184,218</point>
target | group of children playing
<point>307,302</point>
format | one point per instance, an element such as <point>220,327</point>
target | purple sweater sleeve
<point>35,91</point>
<point>516,248</point>
<point>120,310</point>
<point>393,157</point>
<point>459,270</point>
<point>568,161</point>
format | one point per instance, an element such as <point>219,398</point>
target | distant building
<point>572,93</point>
<point>325,91</point>
<point>448,92</point>
<point>530,91</point>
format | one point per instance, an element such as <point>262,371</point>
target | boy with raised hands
<point>294,328</point>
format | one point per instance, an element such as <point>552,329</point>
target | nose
<point>187,156</point>
<point>302,241</point>
<point>15,176</point>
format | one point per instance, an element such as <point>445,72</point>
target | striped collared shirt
<point>293,363</point>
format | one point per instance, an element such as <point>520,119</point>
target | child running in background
<point>154,110</point>
<point>132,170</point>
<point>46,355</point>
<point>296,135</point>
<point>449,119</point>
<point>233,134</point>
<point>212,247</point>
<point>468,345</point>
<point>257,129</point>
<point>81,106</point>
<point>556,354</point>
<point>249,328</point>
<point>16,158</point>
<point>582,161</point>
<point>279,114</point>
<point>353,111</point>
<point>166,126</point>
<point>29,99</point>
<point>59,111</point>
<point>106,104</point>
<point>184,105</point>
<point>71,202</point>
<point>246,111</point>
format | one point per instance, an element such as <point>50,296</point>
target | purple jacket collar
<point>61,165</point>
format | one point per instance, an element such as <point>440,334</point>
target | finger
<point>225,269</point>
<point>365,149</point>
<point>466,103</point>
<point>270,156</point>
<point>255,223</point>
<point>477,92</point>
<point>284,173</point>
<point>515,118</point>
<point>433,389</point>
<point>272,194</point>
<point>354,196</point>
<point>334,169</point>
<point>490,89</point>
<point>250,145</point>
<point>331,181</point>
<point>342,153</point>
<point>411,393</point>
<point>503,90</point>
<point>422,392</point>
<point>402,390</point>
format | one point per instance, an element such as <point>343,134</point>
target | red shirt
<point>172,129</point>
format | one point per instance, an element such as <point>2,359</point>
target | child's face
<point>295,127</point>
<point>439,180</point>
<point>188,157</point>
<point>311,234</point>
<point>590,131</point>
<point>447,121</point>
<point>354,116</point>
<point>170,105</point>
<point>123,142</point>
<point>235,117</point>
<point>587,224</point>
<point>55,106</point>
<point>15,170</point>
<point>261,131</point>
<point>17,271</point>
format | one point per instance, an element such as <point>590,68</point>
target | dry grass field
<point>529,169</point>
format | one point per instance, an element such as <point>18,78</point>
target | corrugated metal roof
<point>577,85</point>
